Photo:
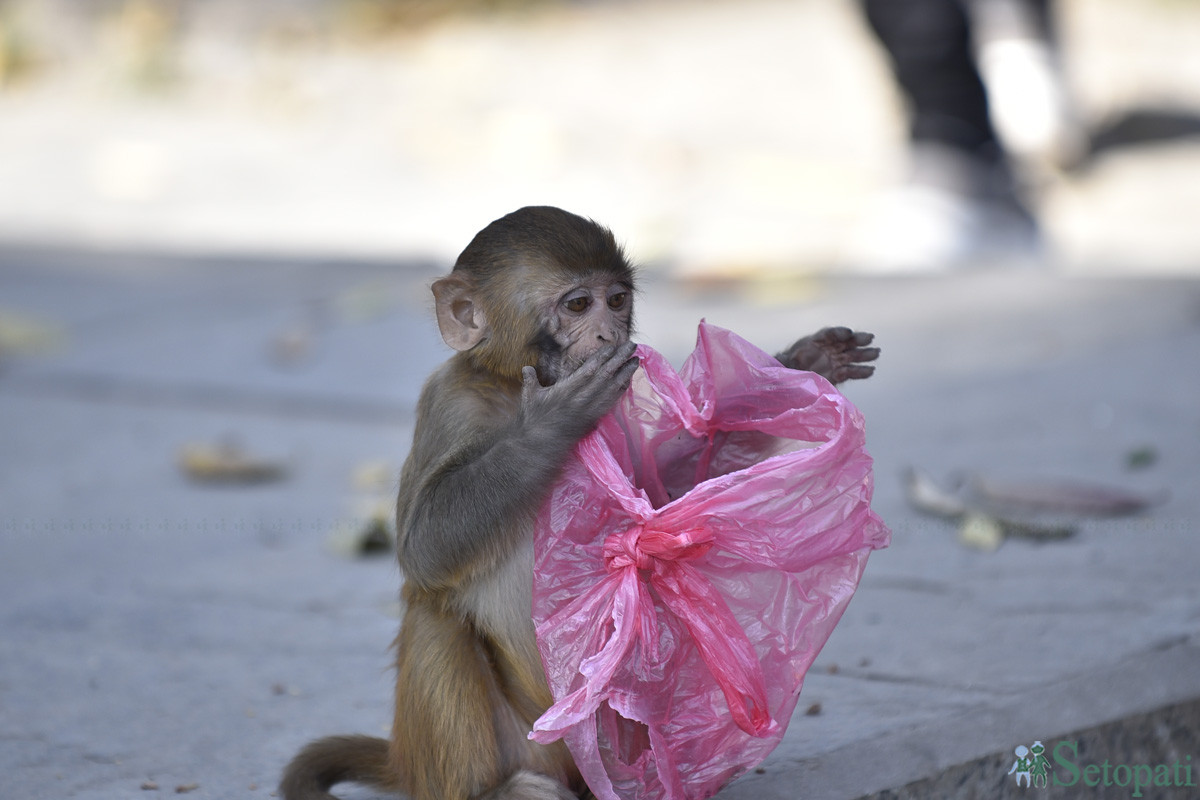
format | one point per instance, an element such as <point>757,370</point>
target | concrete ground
<point>213,266</point>
<point>161,630</point>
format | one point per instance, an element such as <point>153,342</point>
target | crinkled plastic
<point>691,563</point>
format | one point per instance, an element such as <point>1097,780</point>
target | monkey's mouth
<point>552,369</point>
<point>549,372</point>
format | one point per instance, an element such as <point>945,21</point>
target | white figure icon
<point>1021,765</point>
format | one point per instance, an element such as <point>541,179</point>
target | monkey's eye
<point>617,301</point>
<point>578,304</point>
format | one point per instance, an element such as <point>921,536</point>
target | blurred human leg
<point>958,203</point>
<point>1030,109</point>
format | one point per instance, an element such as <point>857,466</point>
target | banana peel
<point>228,464</point>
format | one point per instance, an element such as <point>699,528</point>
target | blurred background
<point>714,137</point>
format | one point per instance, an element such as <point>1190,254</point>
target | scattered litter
<point>979,525</point>
<point>980,532</point>
<point>371,528</point>
<point>370,536</point>
<point>1064,497</point>
<point>184,788</point>
<point>989,511</point>
<point>227,463</point>
<point>149,786</point>
<point>813,710</point>
<point>925,495</point>
<point>1037,531</point>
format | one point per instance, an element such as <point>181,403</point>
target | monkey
<point>539,311</point>
<point>835,354</point>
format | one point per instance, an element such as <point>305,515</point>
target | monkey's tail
<point>338,759</point>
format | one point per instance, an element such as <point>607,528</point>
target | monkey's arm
<point>469,492</point>
<point>836,354</point>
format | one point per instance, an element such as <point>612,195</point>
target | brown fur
<point>539,307</point>
<point>336,759</point>
<point>489,441</point>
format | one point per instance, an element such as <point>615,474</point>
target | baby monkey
<point>539,308</point>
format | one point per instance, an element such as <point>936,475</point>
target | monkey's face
<point>587,316</point>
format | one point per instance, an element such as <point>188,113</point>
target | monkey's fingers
<point>620,360</point>
<point>836,334</point>
<point>609,390</point>
<point>843,335</point>
<point>529,384</point>
<point>624,375</point>
<point>613,376</point>
<point>602,384</point>
<point>600,357</point>
<point>574,381</point>
<point>863,354</point>
<point>603,364</point>
<point>852,372</point>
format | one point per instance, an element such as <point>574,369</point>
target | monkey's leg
<point>455,736</point>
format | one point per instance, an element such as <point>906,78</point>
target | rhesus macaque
<point>539,308</point>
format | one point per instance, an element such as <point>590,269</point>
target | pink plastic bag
<point>691,563</point>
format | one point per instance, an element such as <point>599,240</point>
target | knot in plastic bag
<point>643,547</point>
<point>700,546</point>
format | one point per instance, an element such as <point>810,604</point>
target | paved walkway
<point>159,630</point>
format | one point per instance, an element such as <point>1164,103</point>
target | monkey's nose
<point>611,331</point>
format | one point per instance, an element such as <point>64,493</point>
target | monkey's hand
<point>835,354</point>
<point>573,405</point>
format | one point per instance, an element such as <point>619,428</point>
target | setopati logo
<point>1033,769</point>
<point>1031,765</point>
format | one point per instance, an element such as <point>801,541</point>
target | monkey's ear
<point>460,318</point>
